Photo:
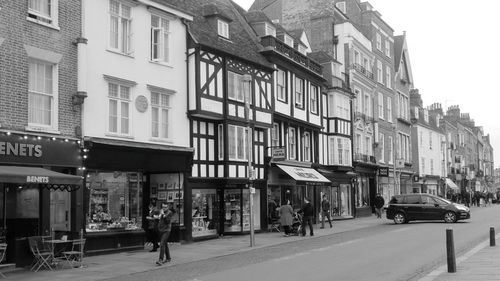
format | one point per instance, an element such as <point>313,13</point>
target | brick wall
<point>18,32</point>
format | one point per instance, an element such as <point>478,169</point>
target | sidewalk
<point>119,264</point>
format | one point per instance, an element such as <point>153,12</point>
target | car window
<point>428,200</point>
<point>396,200</point>
<point>442,201</point>
<point>412,199</point>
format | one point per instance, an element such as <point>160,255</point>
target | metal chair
<point>76,254</point>
<point>43,257</point>
<point>274,225</point>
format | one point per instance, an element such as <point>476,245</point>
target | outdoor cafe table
<point>57,246</point>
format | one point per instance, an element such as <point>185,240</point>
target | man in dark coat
<point>308,212</point>
<point>325,212</point>
<point>164,228</point>
<point>379,204</point>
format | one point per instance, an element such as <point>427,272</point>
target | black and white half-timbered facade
<point>297,118</point>
<point>226,72</point>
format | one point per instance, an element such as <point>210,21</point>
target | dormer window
<point>341,6</point>
<point>288,40</point>
<point>270,30</point>
<point>223,28</point>
<point>302,49</point>
<point>426,116</point>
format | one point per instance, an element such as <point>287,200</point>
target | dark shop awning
<point>303,174</point>
<point>35,175</point>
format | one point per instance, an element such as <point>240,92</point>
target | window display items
<point>115,201</point>
<point>204,214</point>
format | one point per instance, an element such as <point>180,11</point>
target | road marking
<point>290,257</point>
<point>322,249</point>
<point>400,229</point>
<point>349,242</point>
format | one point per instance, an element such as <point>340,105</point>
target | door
<point>60,210</point>
<point>430,208</point>
<point>412,206</point>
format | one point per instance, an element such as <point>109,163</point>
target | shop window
<point>205,212</point>
<point>362,195</point>
<point>168,189</point>
<point>232,210</point>
<point>115,201</point>
<point>246,209</point>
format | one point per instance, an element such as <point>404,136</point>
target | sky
<point>454,54</point>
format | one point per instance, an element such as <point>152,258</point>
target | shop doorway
<point>60,206</point>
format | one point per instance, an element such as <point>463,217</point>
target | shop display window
<point>169,189</point>
<point>204,212</point>
<point>362,194</point>
<point>232,202</point>
<point>115,201</point>
<point>246,209</point>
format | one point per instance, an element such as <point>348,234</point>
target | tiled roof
<point>398,50</point>
<point>242,41</point>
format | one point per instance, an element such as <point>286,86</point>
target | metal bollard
<point>492,236</point>
<point>450,251</point>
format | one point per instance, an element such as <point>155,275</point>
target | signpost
<point>247,88</point>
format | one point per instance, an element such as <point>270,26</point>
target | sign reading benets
<point>37,179</point>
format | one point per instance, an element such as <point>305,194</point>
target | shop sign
<point>416,178</point>
<point>18,150</point>
<point>37,179</point>
<point>383,171</point>
<point>279,153</point>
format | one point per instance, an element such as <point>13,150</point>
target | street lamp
<point>247,89</point>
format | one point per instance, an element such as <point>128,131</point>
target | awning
<point>35,175</point>
<point>304,174</point>
<point>451,184</point>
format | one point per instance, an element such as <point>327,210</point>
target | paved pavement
<point>478,264</point>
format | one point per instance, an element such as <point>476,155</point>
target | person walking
<point>153,225</point>
<point>325,212</point>
<point>164,228</point>
<point>379,204</point>
<point>286,217</point>
<point>307,216</point>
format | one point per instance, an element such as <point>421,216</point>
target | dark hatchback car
<point>410,207</point>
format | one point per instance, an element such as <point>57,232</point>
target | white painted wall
<point>137,68</point>
<point>424,151</point>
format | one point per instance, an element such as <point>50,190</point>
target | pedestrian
<point>379,204</point>
<point>286,217</point>
<point>152,232</point>
<point>307,216</point>
<point>325,212</point>
<point>164,228</point>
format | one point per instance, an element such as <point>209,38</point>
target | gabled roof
<point>242,42</point>
<point>398,50</point>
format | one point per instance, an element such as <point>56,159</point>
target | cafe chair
<point>274,225</point>
<point>75,256</point>
<point>43,257</point>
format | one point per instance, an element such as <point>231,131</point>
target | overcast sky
<point>454,48</point>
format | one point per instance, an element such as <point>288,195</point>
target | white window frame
<point>120,100</point>
<point>367,110</point>
<point>292,144</point>
<point>275,140</point>
<point>281,85</point>
<point>389,109</point>
<point>380,78</point>
<point>380,106</point>
<point>339,151</point>
<point>160,51</point>
<point>164,133</point>
<point>123,45</point>
<point>379,41</point>
<point>299,95</point>
<point>307,146</point>
<point>359,143</point>
<point>391,150</point>
<point>239,133</point>
<point>430,140</point>
<point>387,48</point>
<point>269,29</point>
<point>359,100</point>
<point>381,144</point>
<point>338,106</point>
<point>49,18</point>
<point>235,87</point>
<point>388,74</point>
<point>288,40</point>
<point>53,94</point>
<point>220,141</point>
<point>223,28</point>
<point>314,99</point>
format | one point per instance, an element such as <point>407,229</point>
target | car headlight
<point>462,208</point>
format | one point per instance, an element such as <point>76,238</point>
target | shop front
<point>39,191</point>
<point>365,190</point>
<point>340,193</point>
<point>222,206</point>
<point>294,183</point>
<point>122,179</point>
<point>405,181</point>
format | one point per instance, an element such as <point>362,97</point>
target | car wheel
<point>399,218</point>
<point>450,217</point>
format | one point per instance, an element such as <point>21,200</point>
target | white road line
<point>349,242</point>
<point>290,257</point>
<point>322,249</point>
<point>400,229</point>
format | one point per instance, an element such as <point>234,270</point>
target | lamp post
<point>247,89</point>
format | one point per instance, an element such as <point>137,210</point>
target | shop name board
<point>279,153</point>
<point>383,171</point>
<point>303,174</point>
<point>20,149</point>
<point>37,179</point>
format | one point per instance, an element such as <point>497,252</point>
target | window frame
<point>239,87</point>
<point>220,141</point>
<point>306,144</point>
<point>243,134</point>
<point>379,41</point>
<point>380,106</point>
<point>387,49</point>
<point>288,40</point>
<point>314,102</point>
<point>275,141</point>
<point>119,101</point>
<point>120,40</point>
<point>284,97</point>
<point>388,80</point>
<point>391,150</point>
<point>160,109</point>
<point>380,78</point>
<point>339,155</point>
<point>301,94</point>
<point>50,20</point>
<point>223,28</point>
<point>54,95</point>
<point>381,143</point>
<point>292,143</point>
<point>269,27</point>
<point>389,109</point>
<point>163,33</point>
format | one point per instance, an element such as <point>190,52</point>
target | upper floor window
<point>120,34</point>
<point>366,64</point>
<point>390,149</point>
<point>275,141</point>
<point>426,115</point>
<point>379,41</point>
<point>423,166</point>
<point>388,81</point>
<point>387,48</point>
<point>42,94</point>
<point>430,140</point>
<point>235,86</point>
<point>389,109</point>
<point>380,78</point>
<point>339,151</point>
<point>307,147</point>
<point>302,49</point>
<point>367,103</point>
<point>119,108</point>
<point>357,57</point>
<point>314,99</point>
<point>299,92</point>
<point>270,30</point>
<point>432,166</point>
<point>381,144</point>
<point>359,100</point>
<point>403,106</point>
<point>220,140</point>
<point>160,34</point>
<point>223,28</point>
<point>160,115</point>
<point>288,40</point>
<point>292,146</point>
<point>281,85</point>
<point>237,143</point>
<point>339,106</point>
<point>43,11</point>
<point>380,106</point>
<point>368,145</point>
<point>341,6</point>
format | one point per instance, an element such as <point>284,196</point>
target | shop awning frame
<point>30,176</point>
<point>451,184</point>
<point>303,174</point>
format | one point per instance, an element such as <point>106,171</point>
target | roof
<point>321,57</point>
<point>242,42</point>
<point>398,50</point>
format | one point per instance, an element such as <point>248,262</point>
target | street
<point>382,252</point>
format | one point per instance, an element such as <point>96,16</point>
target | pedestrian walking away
<point>308,213</point>
<point>325,212</point>
<point>164,228</point>
<point>379,204</point>
<point>286,217</point>
<point>152,231</point>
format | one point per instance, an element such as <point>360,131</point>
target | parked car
<point>410,207</point>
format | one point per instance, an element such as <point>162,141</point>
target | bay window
<point>339,151</point>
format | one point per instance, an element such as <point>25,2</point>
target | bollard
<point>450,251</point>
<point>492,236</point>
